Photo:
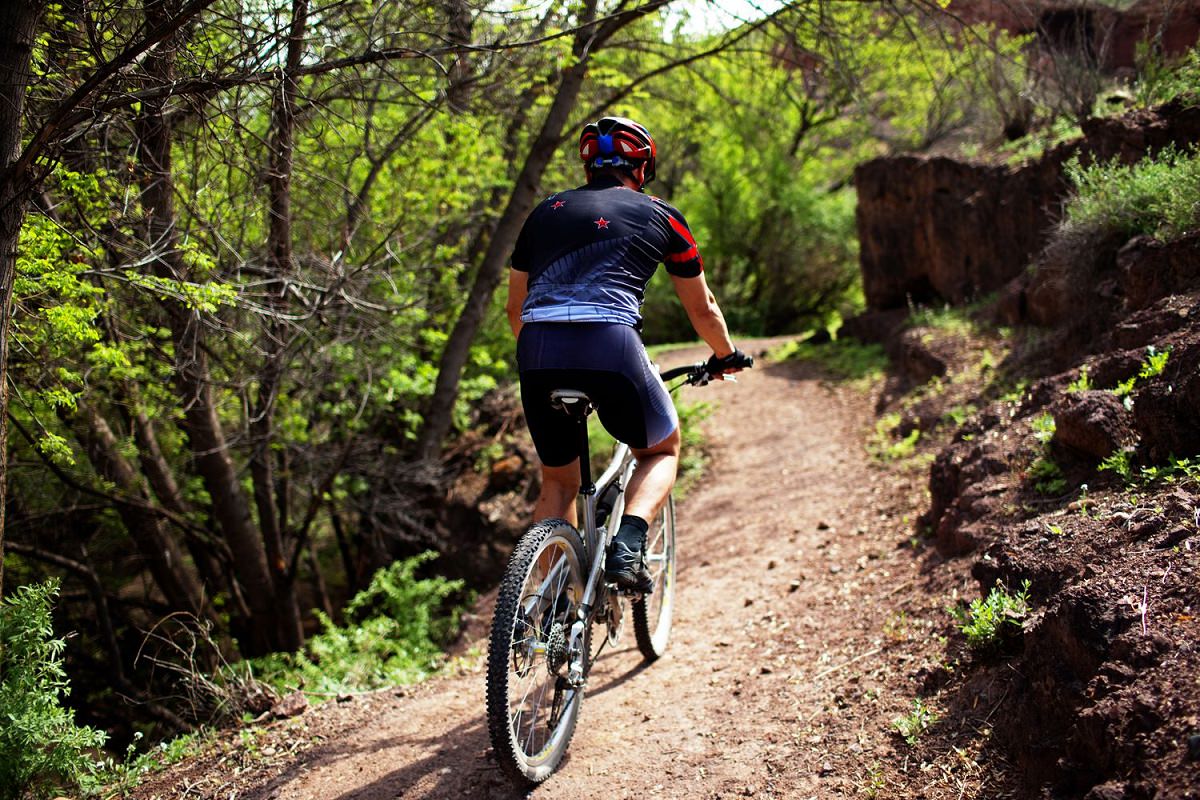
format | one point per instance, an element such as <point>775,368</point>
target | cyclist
<point>579,274</point>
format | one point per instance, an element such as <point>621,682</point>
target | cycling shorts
<point>608,362</point>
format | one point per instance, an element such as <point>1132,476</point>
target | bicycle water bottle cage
<point>571,402</point>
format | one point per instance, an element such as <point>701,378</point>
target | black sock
<point>632,526</point>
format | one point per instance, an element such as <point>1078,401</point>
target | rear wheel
<point>652,612</point>
<point>532,701</point>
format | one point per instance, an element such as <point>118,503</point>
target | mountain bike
<point>552,596</point>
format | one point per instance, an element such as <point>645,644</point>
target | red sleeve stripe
<point>686,255</point>
<point>682,230</point>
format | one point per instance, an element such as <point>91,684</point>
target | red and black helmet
<point>617,142</point>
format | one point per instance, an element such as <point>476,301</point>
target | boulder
<point>1151,270</point>
<point>1094,423</point>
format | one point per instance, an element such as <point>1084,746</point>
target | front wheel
<point>532,697</point>
<point>652,612</point>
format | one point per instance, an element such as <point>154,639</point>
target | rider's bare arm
<point>704,313</point>
<point>518,288</point>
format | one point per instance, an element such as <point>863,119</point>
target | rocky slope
<point>1101,694</point>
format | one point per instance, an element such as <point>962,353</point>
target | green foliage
<point>1158,196</point>
<point>1082,383</point>
<point>1119,464</point>
<point>693,455</point>
<point>1175,469</point>
<point>990,621</point>
<point>957,415</point>
<point>1154,363</point>
<point>844,359</point>
<point>1160,79</point>
<point>884,445</point>
<point>1151,367</point>
<point>393,635</point>
<point>955,320</point>
<point>1043,428</point>
<point>915,723</point>
<point>42,751</point>
<point>1037,143</point>
<point>1047,477</point>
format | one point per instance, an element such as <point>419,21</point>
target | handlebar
<point>697,374</point>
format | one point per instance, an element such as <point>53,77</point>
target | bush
<point>1157,196</point>
<point>394,634</point>
<point>990,621</point>
<point>1160,79</point>
<point>42,751</point>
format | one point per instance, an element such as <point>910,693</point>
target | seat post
<point>586,487</point>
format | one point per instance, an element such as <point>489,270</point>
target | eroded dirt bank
<point>808,619</point>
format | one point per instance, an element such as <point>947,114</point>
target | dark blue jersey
<point>591,251</point>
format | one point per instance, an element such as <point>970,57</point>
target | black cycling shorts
<point>608,362</point>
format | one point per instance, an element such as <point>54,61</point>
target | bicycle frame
<point>595,538</point>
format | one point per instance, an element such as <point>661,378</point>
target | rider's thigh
<point>667,447</point>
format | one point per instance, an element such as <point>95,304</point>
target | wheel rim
<point>660,561</point>
<point>540,698</point>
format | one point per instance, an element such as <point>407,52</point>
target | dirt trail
<point>800,634</point>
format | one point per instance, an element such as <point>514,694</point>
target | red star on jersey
<point>558,204</point>
<point>601,224</point>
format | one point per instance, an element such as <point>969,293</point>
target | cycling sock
<point>633,529</point>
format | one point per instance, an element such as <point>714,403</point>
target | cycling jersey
<point>591,251</point>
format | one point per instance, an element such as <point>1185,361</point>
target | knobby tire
<point>652,613</point>
<point>510,663</point>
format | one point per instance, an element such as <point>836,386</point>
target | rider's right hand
<point>734,362</point>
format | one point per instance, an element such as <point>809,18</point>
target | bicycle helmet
<point>617,142</point>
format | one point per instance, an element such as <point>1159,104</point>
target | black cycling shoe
<point>626,562</point>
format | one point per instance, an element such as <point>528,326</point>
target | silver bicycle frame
<point>597,541</point>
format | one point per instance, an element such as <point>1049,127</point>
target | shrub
<point>1158,196</point>
<point>394,632</point>
<point>989,621</point>
<point>1159,80</point>
<point>42,751</point>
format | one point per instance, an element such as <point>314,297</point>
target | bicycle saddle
<point>571,402</point>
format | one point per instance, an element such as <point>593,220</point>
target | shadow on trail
<point>457,760</point>
<point>617,680</point>
<point>457,763</point>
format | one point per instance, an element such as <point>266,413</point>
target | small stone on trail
<point>823,526</point>
<point>765,671</point>
<point>826,769</point>
<point>771,564</point>
<point>293,705</point>
<point>794,585</point>
<point>345,698</point>
<point>747,602</point>
<point>835,569</point>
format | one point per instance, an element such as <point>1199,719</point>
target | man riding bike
<point>578,278</point>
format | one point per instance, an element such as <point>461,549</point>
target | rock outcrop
<point>935,229</point>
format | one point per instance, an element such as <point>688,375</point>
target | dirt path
<point>802,630</point>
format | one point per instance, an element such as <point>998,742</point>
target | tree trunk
<point>201,422</point>
<point>18,23</point>
<point>520,202</point>
<point>275,346</point>
<point>161,551</point>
